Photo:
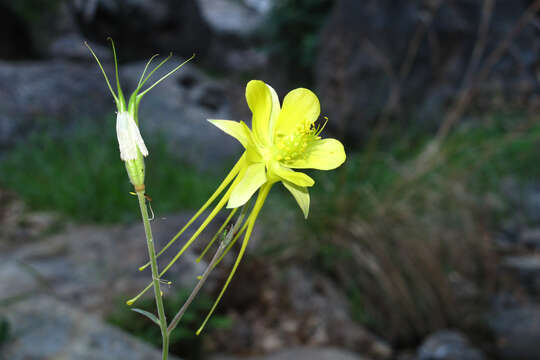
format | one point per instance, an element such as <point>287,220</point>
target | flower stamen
<point>294,145</point>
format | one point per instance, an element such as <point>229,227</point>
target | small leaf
<point>148,315</point>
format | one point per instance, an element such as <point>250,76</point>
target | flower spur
<point>281,139</point>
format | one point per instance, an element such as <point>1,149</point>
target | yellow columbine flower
<point>281,139</point>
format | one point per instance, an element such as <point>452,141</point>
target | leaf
<point>148,315</point>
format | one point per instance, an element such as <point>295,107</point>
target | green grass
<point>81,175</point>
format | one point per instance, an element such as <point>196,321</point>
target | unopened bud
<point>132,147</point>
<point>129,137</point>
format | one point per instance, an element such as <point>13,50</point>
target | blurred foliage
<point>292,31</point>
<point>33,11</point>
<point>399,229</point>
<point>183,340</point>
<point>80,174</point>
<point>415,229</point>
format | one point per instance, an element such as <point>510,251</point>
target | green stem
<point>155,274</point>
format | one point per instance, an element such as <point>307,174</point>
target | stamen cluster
<point>294,145</point>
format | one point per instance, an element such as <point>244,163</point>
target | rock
<point>363,47</point>
<point>33,93</point>
<point>302,354</point>
<point>448,345</point>
<point>324,298</point>
<point>235,24</point>
<point>16,281</point>
<point>531,202</point>
<point>44,328</point>
<point>102,263</point>
<point>291,308</point>
<point>517,331</point>
<point>530,238</point>
<point>145,27</point>
<point>245,60</point>
<point>526,270</point>
<point>72,47</point>
<point>18,224</point>
<point>231,18</point>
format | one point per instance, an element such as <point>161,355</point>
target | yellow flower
<point>281,139</point>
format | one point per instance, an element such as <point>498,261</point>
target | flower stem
<point>155,274</point>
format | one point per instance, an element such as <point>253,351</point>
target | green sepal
<point>135,169</point>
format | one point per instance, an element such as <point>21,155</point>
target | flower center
<point>294,145</point>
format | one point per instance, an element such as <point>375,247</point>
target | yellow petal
<point>299,106</point>
<point>259,99</point>
<point>253,178</point>
<point>301,195</point>
<point>233,128</point>
<point>253,154</point>
<point>283,173</point>
<point>326,154</point>
<point>276,109</point>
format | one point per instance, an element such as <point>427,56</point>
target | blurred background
<point>422,246</point>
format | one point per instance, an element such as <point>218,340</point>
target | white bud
<point>129,137</point>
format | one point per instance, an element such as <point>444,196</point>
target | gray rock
<point>526,270</point>
<point>102,263</point>
<point>33,93</point>
<point>311,295</point>
<point>302,354</point>
<point>229,17</point>
<point>245,60</point>
<point>19,224</point>
<point>517,331</point>
<point>291,308</point>
<point>531,238</point>
<point>262,6</point>
<point>531,202</point>
<point>44,328</point>
<point>16,281</point>
<point>71,47</point>
<point>448,345</point>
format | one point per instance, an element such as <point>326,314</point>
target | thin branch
<point>217,256</point>
<point>204,277</point>
<point>480,45</point>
